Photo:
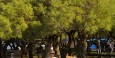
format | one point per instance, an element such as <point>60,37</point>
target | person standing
<point>52,52</point>
<point>111,46</point>
<point>99,46</point>
<point>58,51</point>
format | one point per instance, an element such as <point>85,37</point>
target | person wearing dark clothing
<point>63,51</point>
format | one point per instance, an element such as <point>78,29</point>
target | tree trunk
<point>71,42</point>
<point>4,50</point>
<point>81,46</point>
<point>0,48</point>
<point>47,50</point>
<point>30,50</point>
<point>80,50</point>
<point>23,49</point>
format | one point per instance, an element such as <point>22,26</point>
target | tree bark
<point>81,46</point>
<point>71,39</point>
<point>4,50</point>
<point>47,50</point>
<point>23,49</point>
<point>30,50</point>
<point>0,48</point>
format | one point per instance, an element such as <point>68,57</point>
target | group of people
<point>58,49</point>
<point>107,45</point>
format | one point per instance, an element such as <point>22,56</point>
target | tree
<point>87,16</point>
<point>95,16</point>
<point>5,30</point>
<point>31,19</point>
<point>16,15</point>
<point>54,16</point>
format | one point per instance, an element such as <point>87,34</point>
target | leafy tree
<point>15,17</point>
<point>85,16</point>
<point>95,16</point>
<point>31,19</point>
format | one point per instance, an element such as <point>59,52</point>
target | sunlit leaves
<point>5,27</point>
<point>76,34</point>
<point>40,9</point>
<point>59,14</point>
<point>19,14</point>
<point>38,18</point>
<point>96,15</point>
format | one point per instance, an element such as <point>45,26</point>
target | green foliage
<point>18,14</point>
<point>85,15</point>
<point>95,15</point>
<point>32,19</point>
<point>5,27</point>
<point>59,14</point>
<point>32,32</point>
<point>76,35</point>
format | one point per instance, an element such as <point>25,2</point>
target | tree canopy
<point>38,18</point>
